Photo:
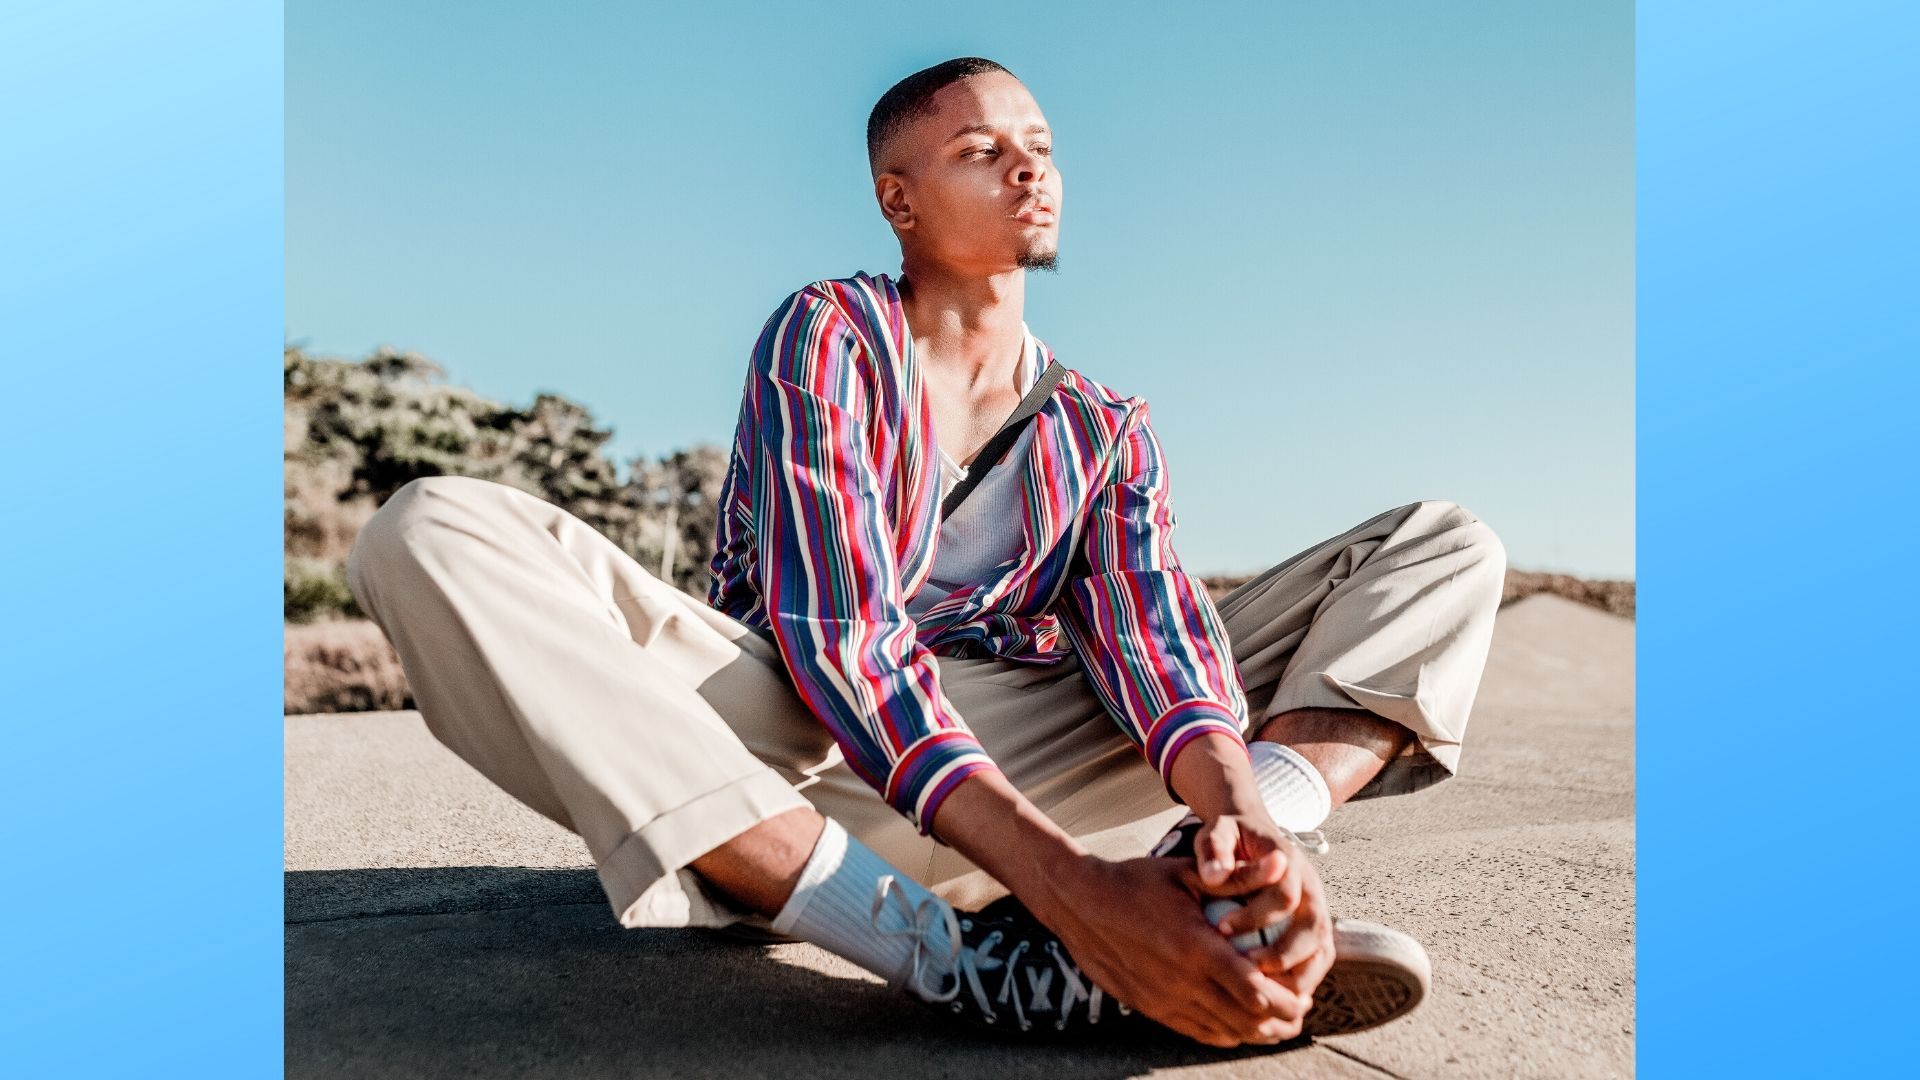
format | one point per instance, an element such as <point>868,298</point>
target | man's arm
<point>827,567</point>
<point>1154,646</point>
<point>1157,654</point>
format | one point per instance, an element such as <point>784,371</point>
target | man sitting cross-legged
<point>942,745</point>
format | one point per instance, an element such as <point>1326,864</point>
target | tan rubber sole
<point>1379,975</point>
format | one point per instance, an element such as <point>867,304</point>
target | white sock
<point>1294,791</point>
<point>833,906</point>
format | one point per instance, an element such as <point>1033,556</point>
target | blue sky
<point>1353,254</point>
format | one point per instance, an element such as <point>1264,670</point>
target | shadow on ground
<point>323,895</point>
<point>488,971</point>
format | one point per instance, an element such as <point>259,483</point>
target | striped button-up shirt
<point>830,513</point>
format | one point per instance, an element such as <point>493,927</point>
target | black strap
<point>1003,440</point>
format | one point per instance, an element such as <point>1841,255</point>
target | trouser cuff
<point>657,851</point>
<point>1433,756</point>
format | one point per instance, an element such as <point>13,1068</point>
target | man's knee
<point>1463,531</point>
<point>398,533</point>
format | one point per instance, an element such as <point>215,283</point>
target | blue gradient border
<point>1779,323</point>
<point>140,300</point>
<point>140,314</point>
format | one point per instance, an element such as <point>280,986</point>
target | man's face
<point>974,185</point>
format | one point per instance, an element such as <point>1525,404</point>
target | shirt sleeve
<point>828,570</point>
<point>1154,646</point>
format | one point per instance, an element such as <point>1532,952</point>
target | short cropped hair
<point>912,97</point>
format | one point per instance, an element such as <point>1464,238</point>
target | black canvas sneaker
<point>1004,972</point>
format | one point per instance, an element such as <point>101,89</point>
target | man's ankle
<point>1346,747</point>
<point>758,868</point>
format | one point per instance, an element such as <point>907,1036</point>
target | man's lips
<point>1038,211</point>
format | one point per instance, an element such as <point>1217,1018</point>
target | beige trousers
<point>657,728</point>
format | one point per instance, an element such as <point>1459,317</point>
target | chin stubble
<point>1040,260</point>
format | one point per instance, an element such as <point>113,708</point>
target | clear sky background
<point>1353,254</point>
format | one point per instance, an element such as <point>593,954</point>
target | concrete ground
<point>436,928</point>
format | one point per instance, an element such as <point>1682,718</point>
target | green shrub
<point>315,589</point>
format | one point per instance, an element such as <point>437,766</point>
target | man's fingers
<point>1205,1029</point>
<point>1215,850</point>
<point>1249,989</point>
<point>1314,969</point>
<point>1312,935</point>
<point>1302,959</point>
<point>1228,1010</point>
<point>1238,977</point>
<point>1298,944</point>
<point>1259,873</point>
<point>1309,931</point>
<point>1195,1024</point>
<point>1253,998</point>
<point>1265,907</point>
<point>1283,1011</point>
<point>1274,1030</point>
<point>1305,978</point>
<point>1285,1002</point>
<point>1247,877</point>
<point>1204,1012</point>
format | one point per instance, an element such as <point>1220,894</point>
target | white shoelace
<point>967,963</point>
<point>919,919</point>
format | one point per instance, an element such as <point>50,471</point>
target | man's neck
<point>967,329</point>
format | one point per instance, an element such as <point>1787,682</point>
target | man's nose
<point>1031,167</point>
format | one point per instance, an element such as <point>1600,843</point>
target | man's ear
<point>894,204</point>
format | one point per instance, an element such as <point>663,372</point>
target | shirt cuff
<point>1181,725</point>
<point>929,771</point>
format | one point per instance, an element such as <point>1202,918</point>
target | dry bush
<point>1612,596</point>
<point>342,666</point>
<point>1616,597</point>
<point>355,432</point>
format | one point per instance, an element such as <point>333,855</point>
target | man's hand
<point>1240,852</point>
<point>1136,929</point>
<point>1246,856</point>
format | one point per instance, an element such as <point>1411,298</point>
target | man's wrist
<point>1213,775</point>
<point>986,819</point>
